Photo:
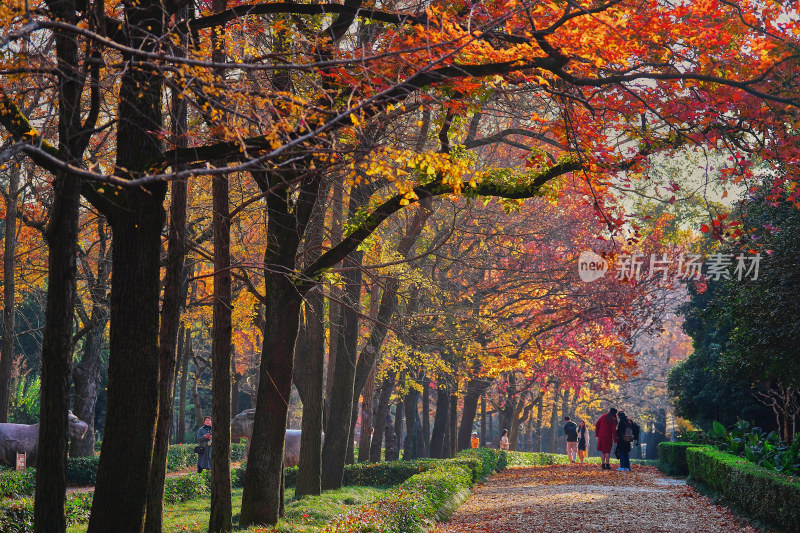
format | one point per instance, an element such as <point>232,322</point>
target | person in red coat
<point>606,431</point>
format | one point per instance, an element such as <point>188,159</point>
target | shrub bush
<point>14,484</point>
<point>766,495</point>
<point>16,516</point>
<point>672,457</point>
<point>536,459</point>
<point>187,487</point>
<point>82,471</point>
<point>411,506</point>
<point>490,461</point>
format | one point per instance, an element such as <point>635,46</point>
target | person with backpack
<point>627,432</point>
<point>606,431</point>
<point>571,431</point>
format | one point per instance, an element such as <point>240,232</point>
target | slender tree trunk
<point>221,519</point>
<point>9,252</point>
<point>262,498</point>
<point>310,364</point>
<point>169,328</point>
<point>453,423</point>
<point>382,416</point>
<point>62,235</point>
<point>365,442</point>
<point>390,433</point>
<point>475,389</point>
<point>426,415</point>
<point>399,414</point>
<point>337,434</point>
<point>483,421</point>
<point>552,447</point>
<point>539,420</point>
<point>410,442</point>
<point>439,431</point>
<point>181,438</point>
<point>334,307</point>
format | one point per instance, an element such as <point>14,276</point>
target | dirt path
<point>569,498</point>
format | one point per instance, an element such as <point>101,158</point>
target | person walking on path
<point>203,447</point>
<point>583,441</point>
<point>504,440</point>
<point>474,441</point>
<point>627,432</point>
<point>605,429</point>
<point>571,431</point>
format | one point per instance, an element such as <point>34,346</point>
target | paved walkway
<point>570,498</point>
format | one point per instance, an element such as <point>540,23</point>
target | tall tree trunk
<point>62,238</point>
<point>453,423</point>
<point>475,389</point>
<point>334,307</point>
<point>337,434</point>
<point>398,430</point>
<point>262,498</point>
<point>181,437</point>
<point>410,442</point>
<point>426,415</point>
<point>9,252</point>
<point>390,437</point>
<point>310,364</point>
<point>552,447</point>
<point>136,217</point>
<point>62,235</point>
<point>483,420</point>
<point>221,519</point>
<point>438,444</point>
<point>365,441</point>
<point>170,326</point>
<point>382,416</point>
<point>539,420</point>
<point>86,375</point>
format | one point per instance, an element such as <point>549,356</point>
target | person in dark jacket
<point>204,445</point>
<point>627,432</point>
<point>571,431</point>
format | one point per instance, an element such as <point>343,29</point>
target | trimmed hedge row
<point>430,495</point>
<point>766,495</point>
<point>16,516</point>
<point>82,471</point>
<point>672,457</point>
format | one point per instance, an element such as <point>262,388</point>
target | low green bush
<point>82,471</point>
<point>768,496</point>
<point>14,484</point>
<point>536,459</point>
<point>187,487</point>
<point>411,506</point>
<point>489,460</point>
<point>672,457</point>
<point>16,516</point>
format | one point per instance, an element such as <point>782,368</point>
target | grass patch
<point>312,513</point>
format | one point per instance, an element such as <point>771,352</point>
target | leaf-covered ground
<point>569,498</point>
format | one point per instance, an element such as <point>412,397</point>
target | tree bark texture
<point>337,434</point>
<point>475,389</point>
<point>381,416</point>
<point>9,253</point>
<point>438,445</point>
<point>86,374</point>
<point>169,329</point>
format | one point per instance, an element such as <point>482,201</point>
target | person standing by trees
<point>583,441</point>
<point>606,431</point>
<point>504,440</point>
<point>203,448</point>
<point>627,432</point>
<point>571,431</point>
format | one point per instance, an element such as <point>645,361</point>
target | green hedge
<point>82,471</point>
<point>413,505</point>
<point>768,496</point>
<point>672,457</point>
<point>536,459</point>
<point>16,516</point>
<point>187,487</point>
